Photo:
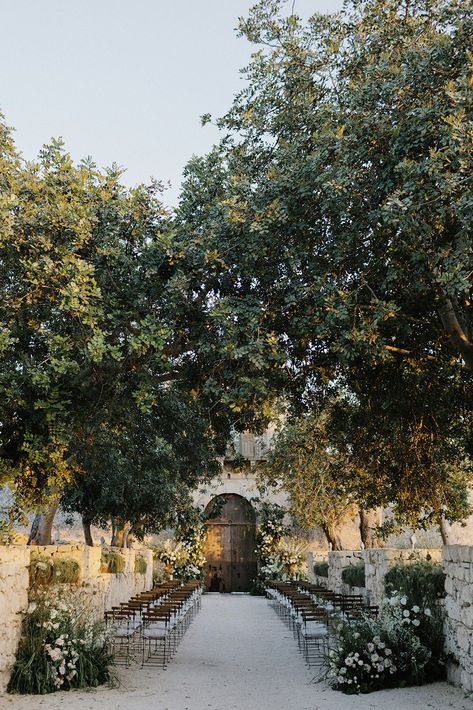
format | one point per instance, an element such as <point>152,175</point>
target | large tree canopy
<point>98,338</point>
<point>335,223</point>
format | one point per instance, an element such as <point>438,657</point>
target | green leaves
<point>338,213</point>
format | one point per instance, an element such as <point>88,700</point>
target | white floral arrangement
<point>62,646</point>
<point>390,650</point>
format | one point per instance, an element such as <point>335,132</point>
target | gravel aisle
<point>237,655</point>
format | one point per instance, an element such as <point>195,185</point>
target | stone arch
<point>230,544</point>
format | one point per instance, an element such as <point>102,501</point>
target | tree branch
<point>457,335</point>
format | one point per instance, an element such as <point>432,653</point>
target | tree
<point>337,211</point>
<point>139,474</point>
<point>324,484</point>
<point>96,328</point>
<point>82,267</point>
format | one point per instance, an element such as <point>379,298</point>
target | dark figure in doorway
<point>221,582</point>
<point>214,581</point>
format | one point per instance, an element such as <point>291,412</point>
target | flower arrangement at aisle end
<point>280,556</point>
<point>271,528</point>
<point>398,648</point>
<point>291,556</point>
<point>192,538</point>
<point>61,646</point>
<point>172,554</point>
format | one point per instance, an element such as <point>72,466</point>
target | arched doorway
<point>230,544</point>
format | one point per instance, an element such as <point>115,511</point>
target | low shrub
<point>354,575</point>
<point>140,565</point>
<point>420,582</point>
<point>60,647</point>
<point>421,585</point>
<point>112,562</point>
<point>41,571</point>
<point>66,570</point>
<point>49,570</point>
<point>394,650</point>
<point>321,569</point>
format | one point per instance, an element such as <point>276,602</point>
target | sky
<point>124,81</point>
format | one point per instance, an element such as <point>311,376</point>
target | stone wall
<point>105,589</point>
<point>379,561</point>
<point>312,557</point>
<point>14,579</point>
<point>102,588</point>
<point>110,589</point>
<point>458,566</point>
<point>338,560</point>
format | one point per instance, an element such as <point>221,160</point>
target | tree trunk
<point>367,529</point>
<point>120,532</point>
<point>332,536</point>
<point>457,335</point>
<point>443,525</point>
<point>126,536</point>
<point>87,531</point>
<point>42,525</point>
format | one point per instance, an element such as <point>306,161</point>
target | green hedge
<point>321,569</point>
<point>421,582</point>
<point>112,562</point>
<point>66,570</point>
<point>140,565</point>
<point>48,570</point>
<point>354,575</point>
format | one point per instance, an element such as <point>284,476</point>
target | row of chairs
<point>350,606</point>
<point>309,611</point>
<point>308,621</point>
<point>151,625</point>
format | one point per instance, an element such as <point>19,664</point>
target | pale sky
<point>124,81</point>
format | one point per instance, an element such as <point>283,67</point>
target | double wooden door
<point>230,546</point>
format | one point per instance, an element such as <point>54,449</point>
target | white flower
<point>415,609</point>
<point>427,612</point>
<point>403,601</point>
<point>415,622</point>
<point>54,654</point>
<point>406,613</point>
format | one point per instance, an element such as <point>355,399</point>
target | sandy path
<point>237,655</point>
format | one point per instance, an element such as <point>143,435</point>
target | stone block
<point>466,595</point>
<point>466,617</point>
<point>463,640</point>
<point>466,680</point>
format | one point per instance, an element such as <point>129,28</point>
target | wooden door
<point>230,545</point>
